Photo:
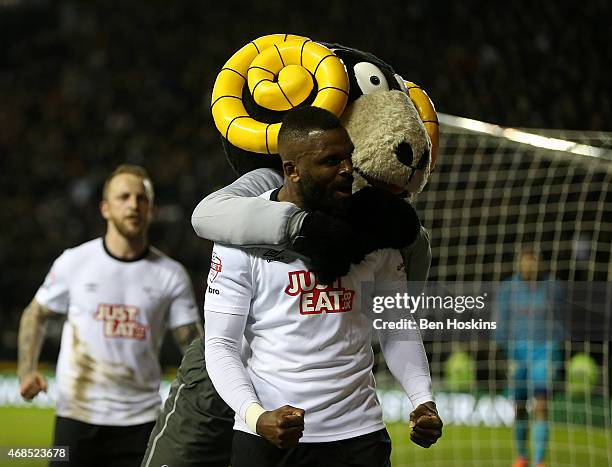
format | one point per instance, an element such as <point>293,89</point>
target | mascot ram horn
<point>392,123</point>
<point>393,126</point>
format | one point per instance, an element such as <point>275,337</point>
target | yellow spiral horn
<point>281,71</point>
<point>428,115</point>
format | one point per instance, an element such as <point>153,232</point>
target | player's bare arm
<point>184,335</point>
<point>283,427</point>
<point>426,424</point>
<point>31,335</point>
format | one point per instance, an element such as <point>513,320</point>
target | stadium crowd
<point>85,87</point>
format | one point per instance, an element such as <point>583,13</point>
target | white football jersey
<point>108,370</point>
<point>310,344</point>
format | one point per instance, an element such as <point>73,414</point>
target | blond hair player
<point>118,294</point>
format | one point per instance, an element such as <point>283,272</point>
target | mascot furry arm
<point>257,222</point>
<point>253,221</point>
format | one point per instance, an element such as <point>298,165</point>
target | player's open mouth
<point>395,189</point>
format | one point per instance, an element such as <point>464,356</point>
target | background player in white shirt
<point>118,295</point>
<point>309,361</point>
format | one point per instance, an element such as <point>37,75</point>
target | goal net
<point>495,189</point>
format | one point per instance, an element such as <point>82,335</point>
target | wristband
<point>252,414</point>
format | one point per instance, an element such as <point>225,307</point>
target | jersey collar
<point>126,260</point>
<point>274,194</point>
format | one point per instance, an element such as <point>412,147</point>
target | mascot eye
<point>369,78</point>
<point>401,82</point>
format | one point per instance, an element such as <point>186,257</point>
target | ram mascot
<point>394,128</point>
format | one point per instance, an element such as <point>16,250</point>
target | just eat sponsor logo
<point>120,321</point>
<point>318,298</point>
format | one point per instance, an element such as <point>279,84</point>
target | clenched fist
<point>426,425</point>
<point>32,384</point>
<point>283,427</point>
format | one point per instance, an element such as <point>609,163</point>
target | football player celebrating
<point>306,394</point>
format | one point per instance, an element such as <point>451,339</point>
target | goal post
<point>493,190</point>
<point>496,188</point>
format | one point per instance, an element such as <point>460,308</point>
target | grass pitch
<point>460,446</point>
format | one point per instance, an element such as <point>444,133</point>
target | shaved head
<point>299,126</point>
<point>316,152</point>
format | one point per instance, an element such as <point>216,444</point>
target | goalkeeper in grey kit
<point>195,426</point>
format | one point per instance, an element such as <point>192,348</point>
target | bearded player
<point>118,294</point>
<point>306,394</point>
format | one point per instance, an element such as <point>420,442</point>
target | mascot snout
<point>392,147</point>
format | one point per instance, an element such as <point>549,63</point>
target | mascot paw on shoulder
<point>392,123</point>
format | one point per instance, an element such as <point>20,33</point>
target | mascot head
<point>392,122</point>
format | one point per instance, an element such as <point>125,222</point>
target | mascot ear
<point>429,117</point>
<point>266,78</point>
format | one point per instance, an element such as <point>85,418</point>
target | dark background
<point>85,86</point>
